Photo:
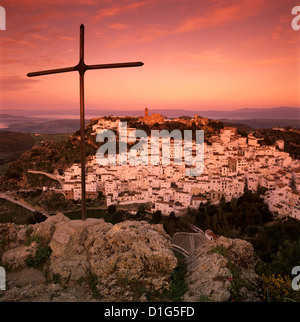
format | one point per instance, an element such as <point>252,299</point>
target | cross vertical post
<point>82,124</point>
<point>81,67</point>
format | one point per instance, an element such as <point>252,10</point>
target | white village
<point>232,163</point>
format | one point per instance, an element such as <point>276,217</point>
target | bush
<point>277,288</point>
<point>41,257</point>
<point>157,216</point>
<point>111,209</point>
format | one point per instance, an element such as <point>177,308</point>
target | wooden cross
<point>81,67</point>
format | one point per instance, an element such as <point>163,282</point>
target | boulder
<point>223,270</point>
<point>120,261</point>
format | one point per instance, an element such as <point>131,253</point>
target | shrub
<point>41,257</point>
<point>277,288</point>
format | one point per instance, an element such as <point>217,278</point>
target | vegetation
<point>50,201</point>
<point>10,212</point>
<point>278,289</point>
<point>42,253</point>
<point>113,218</point>
<point>178,285</point>
<point>45,157</point>
<point>237,282</point>
<point>92,281</point>
<point>13,144</point>
<point>237,218</point>
<point>290,137</point>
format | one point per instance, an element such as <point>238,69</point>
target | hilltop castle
<point>153,118</point>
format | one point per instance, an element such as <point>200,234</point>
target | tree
<point>37,217</point>
<point>100,195</point>
<point>293,184</point>
<point>117,216</point>
<point>172,216</point>
<point>111,209</point>
<point>141,211</point>
<point>287,257</point>
<point>157,216</point>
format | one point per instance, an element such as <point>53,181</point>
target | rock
<point>143,298</point>
<point>46,228</point>
<point>69,256</point>
<point>210,276</point>
<point>15,258</point>
<point>116,261</point>
<point>94,260</point>
<point>238,250</point>
<point>133,251</point>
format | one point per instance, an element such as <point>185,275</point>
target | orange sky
<point>198,54</point>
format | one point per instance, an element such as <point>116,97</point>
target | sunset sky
<point>198,54</point>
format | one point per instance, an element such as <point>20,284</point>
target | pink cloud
<point>15,83</point>
<point>221,13</point>
<point>117,9</point>
<point>118,26</point>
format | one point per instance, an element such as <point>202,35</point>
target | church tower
<point>146,112</point>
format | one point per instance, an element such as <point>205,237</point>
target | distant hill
<point>252,113</point>
<point>264,123</point>
<point>244,113</point>
<point>254,118</point>
<point>46,127</point>
<point>7,118</point>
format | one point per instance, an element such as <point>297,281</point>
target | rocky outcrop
<point>114,260</point>
<point>73,260</point>
<point>223,270</point>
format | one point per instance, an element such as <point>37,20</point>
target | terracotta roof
<point>281,185</point>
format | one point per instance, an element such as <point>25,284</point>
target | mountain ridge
<point>243,113</point>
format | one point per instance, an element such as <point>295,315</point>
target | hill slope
<point>12,145</point>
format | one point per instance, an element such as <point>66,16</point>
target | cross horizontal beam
<point>52,71</point>
<point>83,68</point>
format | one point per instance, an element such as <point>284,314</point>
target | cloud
<point>118,26</point>
<point>39,37</point>
<point>16,83</point>
<point>219,14</point>
<point>192,17</point>
<point>117,9</point>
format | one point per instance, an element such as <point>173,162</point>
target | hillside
<point>291,138</point>
<point>50,156</point>
<point>13,144</point>
<point>47,156</point>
